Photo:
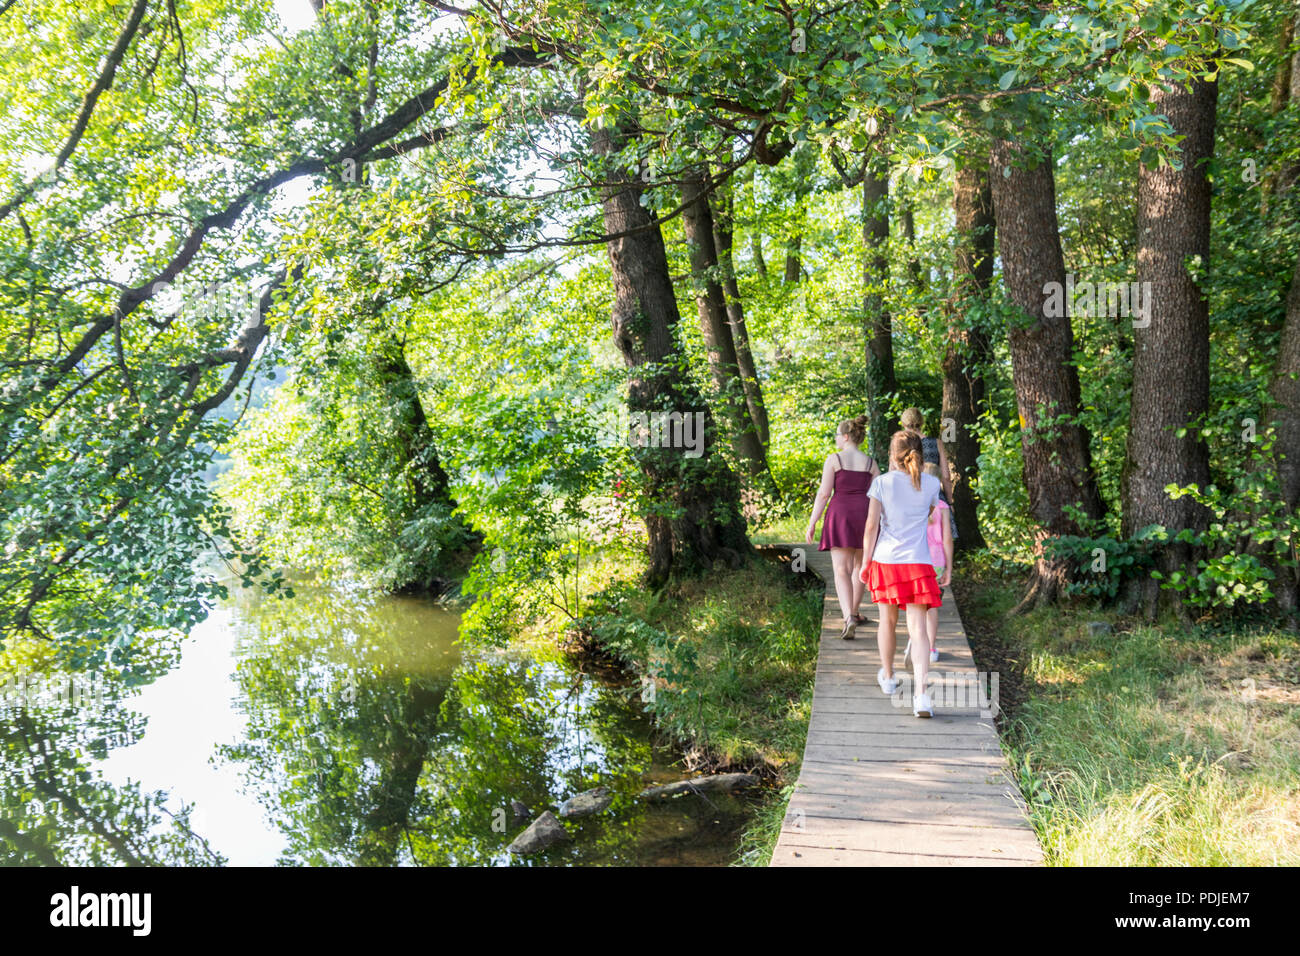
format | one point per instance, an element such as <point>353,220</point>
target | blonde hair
<point>905,449</point>
<point>911,419</point>
<point>854,429</point>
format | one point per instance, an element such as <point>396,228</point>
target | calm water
<point>343,728</point>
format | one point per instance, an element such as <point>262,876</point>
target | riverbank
<point>1141,745</point>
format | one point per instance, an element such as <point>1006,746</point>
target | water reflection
<point>58,808</point>
<point>345,728</point>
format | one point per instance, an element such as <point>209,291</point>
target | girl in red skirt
<point>896,561</point>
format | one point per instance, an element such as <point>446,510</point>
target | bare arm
<point>822,499</point>
<point>945,475</point>
<point>947,551</point>
<point>869,535</point>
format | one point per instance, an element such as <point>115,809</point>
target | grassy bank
<point>1141,745</point>
<point>727,664</point>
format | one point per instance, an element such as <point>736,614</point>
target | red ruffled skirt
<point>902,584</point>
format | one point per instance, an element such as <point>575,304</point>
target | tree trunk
<point>792,268</point>
<point>1284,90</point>
<point>967,352</point>
<point>907,227</point>
<point>1171,340</point>
<point>723,240</point>
<point>695,516</point>
<point>724,366</point>
<point>1057,459</point>
<point>756,250</point>
<point>1285,393</point>
<point>877,327</point>
<point>428,480</point>
<point>429,484</point>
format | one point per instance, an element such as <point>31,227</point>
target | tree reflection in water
<point>369,743</point>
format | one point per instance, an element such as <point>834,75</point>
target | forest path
<point>879,787</point>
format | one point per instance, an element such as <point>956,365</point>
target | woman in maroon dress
<point>848,472</point>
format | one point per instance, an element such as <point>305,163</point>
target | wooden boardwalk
<point>879,787</point>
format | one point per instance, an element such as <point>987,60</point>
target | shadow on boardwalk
<point>879,787</point>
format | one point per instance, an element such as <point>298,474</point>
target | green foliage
<point>1100,565</point>
<point>726,665</point>
<point>1252,535</point>
<point>1004,502</point>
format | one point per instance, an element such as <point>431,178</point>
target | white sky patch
<point>295,14</point>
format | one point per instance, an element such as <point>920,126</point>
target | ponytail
<point>905,449</point>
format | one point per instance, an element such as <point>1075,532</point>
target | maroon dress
<point>845,521</point>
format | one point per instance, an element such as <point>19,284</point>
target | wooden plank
<point>917,837</point>
<point>989,757</point>
<point>893,740</point>
<point>932,772</point>
<point>902,723</point>
<point>794,854</point>
<point>975,811</point>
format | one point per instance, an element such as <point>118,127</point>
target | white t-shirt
<point>904,514</point>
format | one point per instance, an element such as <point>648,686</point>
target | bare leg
<point>885,637</point>
<point>842,562</point>
<point>932,628</point>
<point>920,653</point>
<point>856,579</point>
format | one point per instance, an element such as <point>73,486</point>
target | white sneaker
<point>888,684</point>
<point>934,656</point>
<point>921,706</point>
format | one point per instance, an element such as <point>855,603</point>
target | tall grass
<point>1151,745</point>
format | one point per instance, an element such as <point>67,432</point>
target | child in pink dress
<point>939,536</point>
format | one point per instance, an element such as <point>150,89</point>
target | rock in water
<point>713,783</point>
<point>586,803</point>
<point>544,831</point>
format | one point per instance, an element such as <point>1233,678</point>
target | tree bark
<point>877,327</point>
<point>967,352</point>
<point>715,325</point>
<point>723,239</point>
<point>1057,459</point>
<point>1171,341</point>
<point>695,516</point>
